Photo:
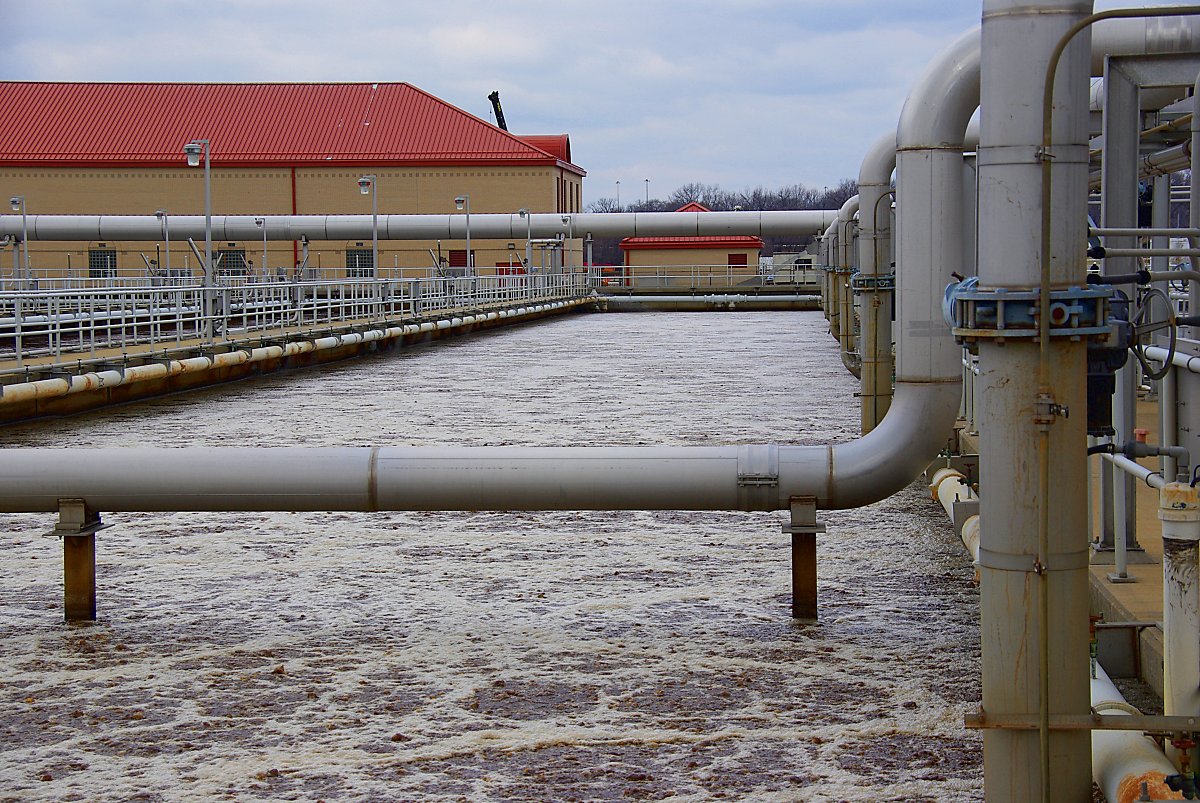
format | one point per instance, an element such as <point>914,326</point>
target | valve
<point>1185,780</point>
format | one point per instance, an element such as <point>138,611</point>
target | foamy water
<point>489,656</point>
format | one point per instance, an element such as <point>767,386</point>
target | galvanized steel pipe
<point>422,227</point>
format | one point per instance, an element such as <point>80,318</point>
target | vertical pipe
<point>1033,555</point>
<point>1179,511</point>
<point>874,252</point>
<point>1119,199</point>
<point>1161,218</point>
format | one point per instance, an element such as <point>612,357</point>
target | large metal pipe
<point>874,258</point>
<point>1033,578</point>
<point>759,477</point>
<point>422,227</point>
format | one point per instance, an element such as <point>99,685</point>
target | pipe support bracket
<point>1062,562</point>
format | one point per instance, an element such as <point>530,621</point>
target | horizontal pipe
<point>421,227</point>
<point>762,477</point>
<point>1109,231</point>
<point>731,298</point>
<point>1152,252</point>
<point>1187,362</point>
<point>1123,760</point>
<point>1152,478</point>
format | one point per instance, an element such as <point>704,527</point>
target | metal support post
<point>77,527</point>
<point>803,529</point>
<point>1119,199</point>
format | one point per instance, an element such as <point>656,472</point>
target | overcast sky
<point>739,93</point>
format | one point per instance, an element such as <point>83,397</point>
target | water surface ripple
<point>498,656</point>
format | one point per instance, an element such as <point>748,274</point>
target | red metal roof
<point>671,243</point>
<point>146,124</point>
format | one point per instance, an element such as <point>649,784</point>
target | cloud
<point>757,92</point>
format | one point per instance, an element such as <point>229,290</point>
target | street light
<point>524,213</point>
<point>262,221</point>
<point>647,192</point>
<point>18,205</point>
<point>618,195</point>
<point>161,214</point>
<point>366,186</point>
<point>460,203</point>
<point>194,150</point>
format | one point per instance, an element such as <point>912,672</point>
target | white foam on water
<point>490,656</point>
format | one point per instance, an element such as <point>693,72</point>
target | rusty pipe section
<point>1123,760</point>
<point>421,227</point>
<point>1179,512</point>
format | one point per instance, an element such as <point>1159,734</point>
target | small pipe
<point>1123,760</point>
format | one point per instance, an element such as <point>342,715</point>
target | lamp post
<point>647,192</point>
<point>262,221</point>
<point>194,151</point>
<point>618,195</point>
<point>18,205</point>
<point>524,213</point>
<point>463,202</point>
<point>366,185</point>
<point>161,214</point>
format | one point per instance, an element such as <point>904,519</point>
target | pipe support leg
<point>77,526</point>
<point>803,528</point>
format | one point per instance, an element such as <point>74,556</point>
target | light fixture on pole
<point>524,213</point>
<point>463,202</point>
<point>18,205</point>
<point>161,214</point>
<point>194,150</point>
<point>366,185</point>
<point>647,192</point>
<point>618,195</point>
<point>262,221</point>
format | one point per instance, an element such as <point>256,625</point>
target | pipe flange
<point>873,283</point>
<point>997,314</point>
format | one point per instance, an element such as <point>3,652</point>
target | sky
<point>738,93</point>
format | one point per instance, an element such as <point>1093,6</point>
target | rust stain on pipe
<point>1130,788</point>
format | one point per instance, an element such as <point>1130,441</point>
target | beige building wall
<point>269,191</point>
<point>671,267</point>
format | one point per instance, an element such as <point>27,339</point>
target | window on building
<point>102,263</point>
<point>737,260</point>
<point>231,262</point>
<point>359,263</point>
<point>458,257</point>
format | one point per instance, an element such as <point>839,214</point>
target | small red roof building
<point>715,242</point>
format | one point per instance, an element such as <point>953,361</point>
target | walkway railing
<point>70,323</point>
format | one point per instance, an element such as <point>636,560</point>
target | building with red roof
<point>276,148</point>
<point>669,261</point>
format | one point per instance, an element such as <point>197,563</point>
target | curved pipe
<point>487,478</point>
<point>421,227</point>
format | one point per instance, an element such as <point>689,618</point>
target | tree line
<point>606,251</point>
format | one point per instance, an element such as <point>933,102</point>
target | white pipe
<point>1179,512</point>
<point>422,227</point>
<point>1123,760</point>
<point>1186,361</point>
<point>1136,470</point>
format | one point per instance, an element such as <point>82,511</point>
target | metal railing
<point>699,277</point>
<point>67,323</point>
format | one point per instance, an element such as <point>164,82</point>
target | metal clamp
<point>1075,313</point>
<point>873,282</point>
